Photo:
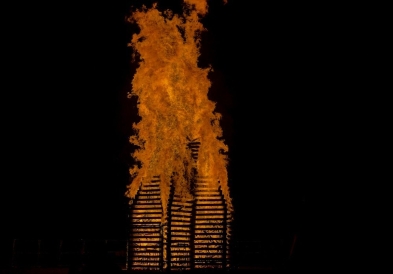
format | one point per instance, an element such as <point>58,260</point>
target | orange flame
<point>173,102</point>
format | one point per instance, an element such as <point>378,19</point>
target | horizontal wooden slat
<point>148,193</point>
<point>210,226</point>
<point>181,219</point>
<point>207,188</point>
<point>180,228</point>
<point>146,254</point>
<point>147,206</point>
<point>151,229</point>
<point>177,223</point>
<point>147,201</point>
<point>210,256</point>
<point>210,216</point>
<point>146,258</point>
<point>210,207</point>
<point>180,253</point>
<point>211,231</point>
<point>155,185</point>
<point>177,239</point>
<point>209,202</point>
<point>181,204</point>
<point>176,197</point>
<point>145,240</point>
<point>146,221</point>
<point>144,244</point>
<point>180,249</point>
<point>204,265</point>
<point>146,263</point>
<point>147,215</point>
<point>146,211</point>
<point>181,213</point>
<point>210,220</point>
<point>146,234</point>
<point>180,233</point>
<point>210,211</point>
<point>209,234</point>
<point>181,258</point>
<point>198,194</point>
<point>210,250</point>
<point>141,249</point>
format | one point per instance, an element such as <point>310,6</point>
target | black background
<point>66,116</point>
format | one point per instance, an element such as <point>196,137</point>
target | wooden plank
<point>180,249</point>
<point>146,234</point>
<point>209,231</point>
<point>209,202</point>
<point>138,243</point>
<point>200,221</point>
<point>146,220</point>
<point>206,250</point>
<point>147,229</point>
<point>144,201</point>
<point>185,258</point>
<point>178,213</point>
<point>146,206</point>
<point>180,233</point>
<point>144,249</point>
<point>148,193</point>
<point>207,188</point>
<point>208,199</point>
<point>199,194</point>
<point>180,228</point>
<point>149,210</point>
<point>178,223</point>
<point>145,263</point>
<point>208,207</point>
<point>145,254</point>
<point>181,219</point>
<point>209,234</point>
<point>144,241</point>
<point>181,202</point>
<point>147,258</point>
<point>209,215</point>
<point>210,211</point>
<point>146,214</point>
<point>148,198</point>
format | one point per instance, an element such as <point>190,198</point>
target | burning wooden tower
<point>180,204</point>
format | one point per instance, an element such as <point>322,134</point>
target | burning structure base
<point>194,235</point>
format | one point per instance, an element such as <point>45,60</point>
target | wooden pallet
<point>145,244</point>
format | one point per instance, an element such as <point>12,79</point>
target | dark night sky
<point>67,119</point>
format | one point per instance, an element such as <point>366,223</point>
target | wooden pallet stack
<point>195,233</point>
<point>211,225</point>
<point>180,233</point>
<point>145,244</point>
